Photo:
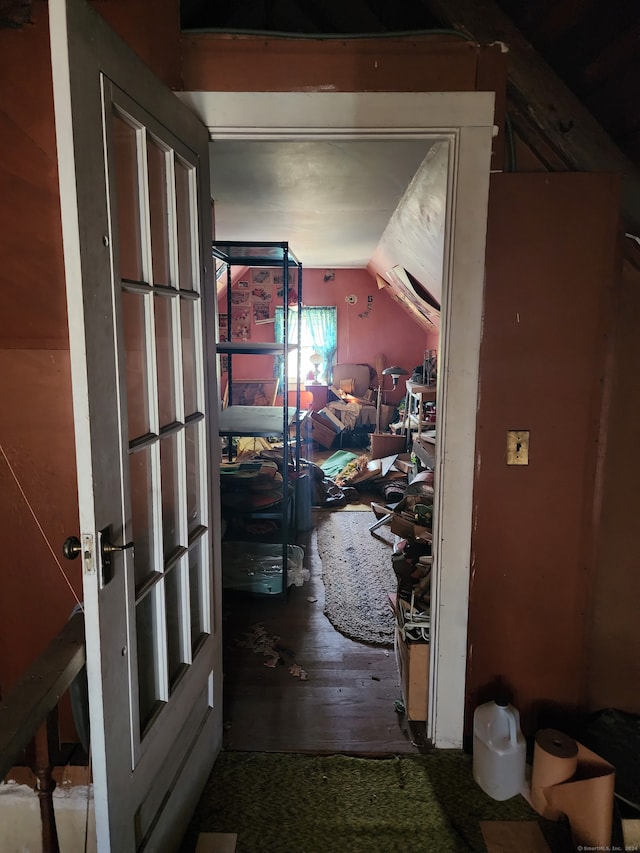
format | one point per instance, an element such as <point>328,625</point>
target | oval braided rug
<point>357,574</point>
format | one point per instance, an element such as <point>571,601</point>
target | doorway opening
<point>466,120</point>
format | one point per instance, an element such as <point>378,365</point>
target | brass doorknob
<point>108,548</point>
<point>72,547</point>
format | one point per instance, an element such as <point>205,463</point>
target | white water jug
<point>499,750</point>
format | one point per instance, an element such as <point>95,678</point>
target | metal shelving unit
<point>264,421</point>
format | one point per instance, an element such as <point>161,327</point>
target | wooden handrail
<point>37,693</point>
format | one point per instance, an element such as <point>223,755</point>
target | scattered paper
<point>258,640</point>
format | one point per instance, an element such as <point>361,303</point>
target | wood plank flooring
<point>346,705</point>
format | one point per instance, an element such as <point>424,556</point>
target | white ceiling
<point>330,200</point>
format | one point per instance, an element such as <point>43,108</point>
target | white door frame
<point>466,119</point>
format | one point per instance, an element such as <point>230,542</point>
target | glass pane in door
<point>165,358</point>
<point>148,661</point>
<point>142,513</point>
<point>189,315</point>
<point>133,322</point>
<point>174,609</point>
<point>194,450</point>
<point>170,479</point>
<point>197,588</point>
<point>125,154</point>
<point>184,223</point>
<point>157,157</point>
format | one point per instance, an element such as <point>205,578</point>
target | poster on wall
<point>259,276</point>
<point>240,297</point>
<point>278,277</point>
<point>262,293</point>
<point>292,297</point>
<point>241,323</point>
<point>223,327</point>
<point>260,311</point>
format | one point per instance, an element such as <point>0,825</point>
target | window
<point>318,334</point>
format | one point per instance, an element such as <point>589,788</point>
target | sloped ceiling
<point>332,200</point>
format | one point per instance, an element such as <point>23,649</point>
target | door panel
<point>135,204</point>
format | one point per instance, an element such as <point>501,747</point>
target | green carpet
<point>315,804</point>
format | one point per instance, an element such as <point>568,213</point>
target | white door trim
<point>466,118</point>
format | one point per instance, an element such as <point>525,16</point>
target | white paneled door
<point>134,181</point>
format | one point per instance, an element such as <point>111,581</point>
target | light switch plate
<point>518,447</point>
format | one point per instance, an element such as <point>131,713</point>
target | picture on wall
<point>241,323</point>
<point>262,293</point>
<point>292,297</point>
<point>223,327</point>
<point>240,331</point>
<point>278,278</point>
<point>260,276</point>
<point>240,297</point>
<point>260,311</point>
<point>252,392</point>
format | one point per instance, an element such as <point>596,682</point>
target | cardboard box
<point>412,660</point>
<point>403,523</point>
<point>413,665</point>
<point>320,432</point>
<point>331,419</point>
<point>406,529</point>
<point>386,444</point>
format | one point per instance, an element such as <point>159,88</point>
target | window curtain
<point>319,328</point>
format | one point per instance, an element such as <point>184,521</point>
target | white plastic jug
<point>499,750</point>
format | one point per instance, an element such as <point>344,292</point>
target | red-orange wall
<point>362,334</point>
<point>36,424</point>
<point>550,271</point>
<point>613,644</point>
<point>36,419</point>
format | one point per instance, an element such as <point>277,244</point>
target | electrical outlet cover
<point>351,299</point>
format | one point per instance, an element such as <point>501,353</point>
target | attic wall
<point>36,421</point>
<point>421,63</point>
<point>36,418</point>
<point>613,643</point>
<point>550,273</point>
<point>362,331</point>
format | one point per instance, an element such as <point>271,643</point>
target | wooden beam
<point>560,117</point>
<point>26,707</point>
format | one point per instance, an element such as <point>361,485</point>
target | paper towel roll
<point>568,779</point>
<point>555,759</point>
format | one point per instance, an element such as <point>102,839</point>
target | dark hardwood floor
<point>347,702</point>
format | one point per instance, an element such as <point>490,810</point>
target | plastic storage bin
<point>499,750</point>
